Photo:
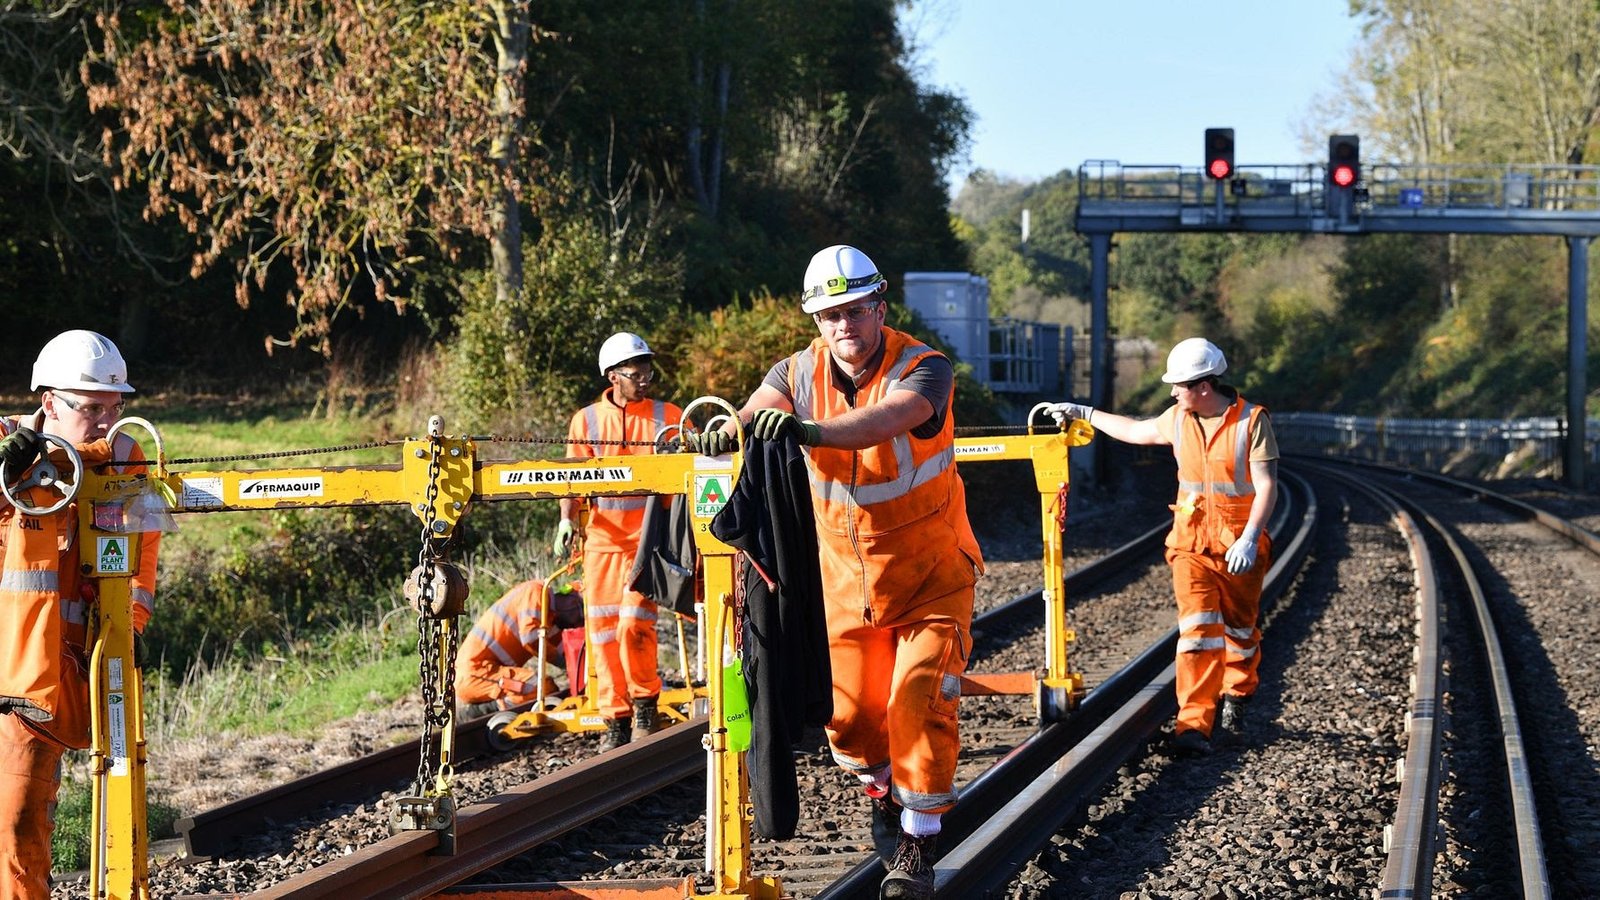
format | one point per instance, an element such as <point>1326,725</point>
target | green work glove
<point>563,540</point>
<point>709,443</point>
<point>19,449</point>
<point>771,424</point>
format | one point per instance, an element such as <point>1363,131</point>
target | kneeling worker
<point>498,665</point>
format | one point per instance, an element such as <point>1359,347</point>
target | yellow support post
<point>119,855</point>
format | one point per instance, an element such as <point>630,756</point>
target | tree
<point>332,142</point>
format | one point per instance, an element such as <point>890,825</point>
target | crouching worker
<point>498,665</point>
<point>45,605</point>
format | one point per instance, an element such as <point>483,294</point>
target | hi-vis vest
<point>44,613</point>
<point>615,521</point>
<point>1214,486</point>
<point>893,516</point>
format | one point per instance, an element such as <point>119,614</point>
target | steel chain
<point>434,713</point>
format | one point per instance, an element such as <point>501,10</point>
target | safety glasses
<point>90,408</point>
<point>853,314</point>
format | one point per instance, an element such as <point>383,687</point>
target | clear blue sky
<point>1055,82</point>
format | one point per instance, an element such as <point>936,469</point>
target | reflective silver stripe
<point>619,504</point>
<point>1239,634</point>
<point>802,376</point>
<point>19,580</point>
<point>914,800</point>
<point>1199,644</point>
<point>1241,454</point>
<point>605,636</point>
<point>1244,652</point>
<point>638,614</point>
<point>1191,622</point>
<point>144,598</point>
<point>607,611</point>
<point>74,611</point>
<point>850,765</point>
<point>911,477</point>
<point>506,659</point>
<point>591,424</point>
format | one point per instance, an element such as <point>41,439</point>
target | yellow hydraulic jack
<point>1056,689</point>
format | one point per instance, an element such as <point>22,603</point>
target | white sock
<point>876,784</point>
<point>919,824</point>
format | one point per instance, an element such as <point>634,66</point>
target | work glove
<point>772,424</point>
<point>1242,555</point>
<point>1062,412</point>
<point>709,443</point>
<point>563,540</point>
<point>19,449</point>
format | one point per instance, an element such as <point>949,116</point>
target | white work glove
<point>1242,555</point>
<point>1062,412</point>
<point>563,537</point>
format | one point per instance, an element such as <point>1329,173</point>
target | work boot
<point>617,734</point>
<point>1191,743</point>
<point>645,717</point>
<point>885,825</point>
<point>911,871</point>
<point>1231,718</point>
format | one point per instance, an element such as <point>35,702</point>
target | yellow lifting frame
<point>1057,689</point>
<point>119,856</point>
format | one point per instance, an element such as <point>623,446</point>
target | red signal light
<point>1219,153</point>
<point>1344,176</point>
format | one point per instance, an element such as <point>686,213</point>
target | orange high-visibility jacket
<point>1214,486</point>
<point>44,610</point>
<point>500,654</point>
<point>891,518</point>
<point>614,522</point>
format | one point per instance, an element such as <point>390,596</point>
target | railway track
<point>1303,805</point>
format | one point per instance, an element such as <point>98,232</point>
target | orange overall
<point>898,562</point>
<point>45,611</point>
<point>1218,637</point>
<point>621,622</point>
<point>499,657</point>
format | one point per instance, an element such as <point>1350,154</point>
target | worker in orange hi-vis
<point>44,604</point>
<point>1218,548</point>
<point>872,408</point>
<point>621,621</point>
<point>498,664</point>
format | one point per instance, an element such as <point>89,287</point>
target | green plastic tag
<point>736,706</point>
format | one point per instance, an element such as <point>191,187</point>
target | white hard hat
<point>1193,359</point>
<point>621,347</point>
<point>81,361</point>
<point>836,276</point>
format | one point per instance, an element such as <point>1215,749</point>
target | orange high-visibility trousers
<point>622,630</point>
<point>30,776</point>
<point>896,689</point>
<point>1219,640</point>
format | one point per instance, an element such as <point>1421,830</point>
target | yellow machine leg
<point>119,858</point>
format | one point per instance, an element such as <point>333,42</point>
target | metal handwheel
<point>45,474</point>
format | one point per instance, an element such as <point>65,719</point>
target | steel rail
<point>410,864</point>
<point>1409,841</point>
<point>1531,863</point>
<point>1003,817</point>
